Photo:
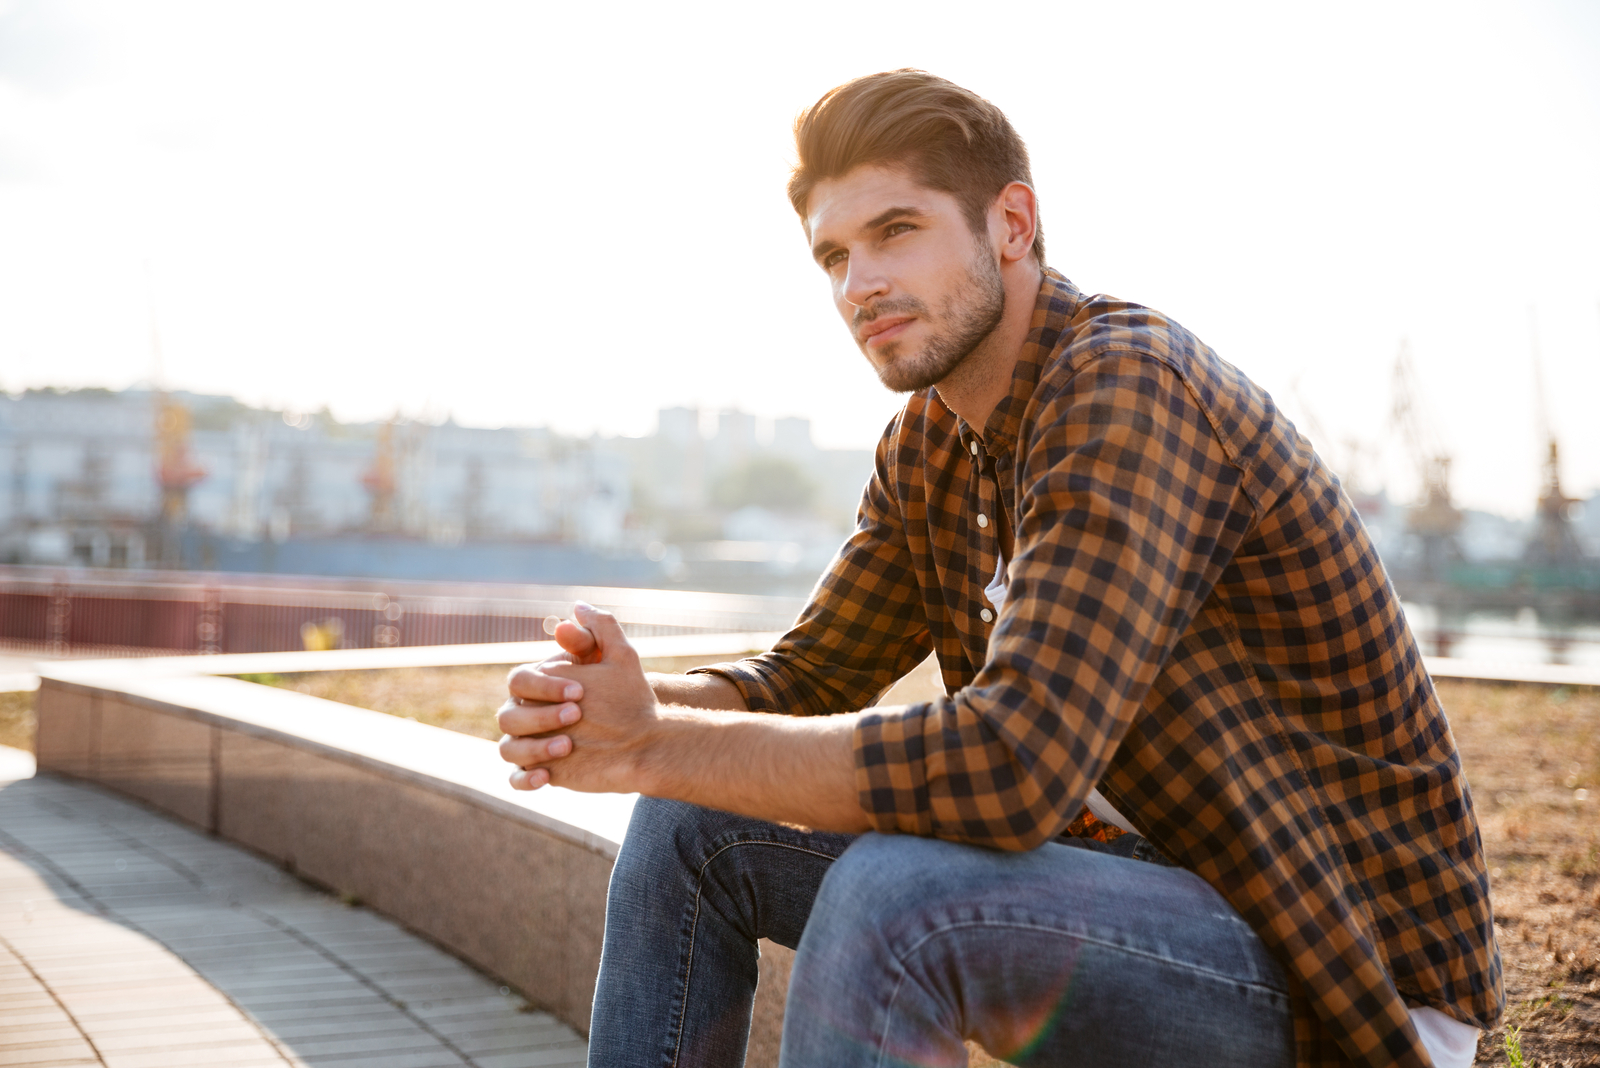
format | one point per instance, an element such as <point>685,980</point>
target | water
<point>1519,639</point>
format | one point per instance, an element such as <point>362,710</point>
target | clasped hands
<point>581,719</point>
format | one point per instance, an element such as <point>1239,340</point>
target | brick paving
<point>131,941</point>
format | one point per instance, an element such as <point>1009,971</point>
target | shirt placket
<point>983,537</point>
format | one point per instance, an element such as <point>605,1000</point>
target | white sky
<point>524,214</point>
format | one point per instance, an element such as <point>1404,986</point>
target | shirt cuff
<point>749,680</point>
<point>891,770</point>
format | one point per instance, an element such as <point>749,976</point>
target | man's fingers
<point>531,683</point>
<point>606,630</point>
<point>529,778</point>
<point>527,751</point>
<point>576,639</point>
<point>518,719</point>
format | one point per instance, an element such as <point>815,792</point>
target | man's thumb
<point>575,639</point>
<point>605,628</point>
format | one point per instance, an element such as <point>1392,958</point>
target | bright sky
<point>574,215</point>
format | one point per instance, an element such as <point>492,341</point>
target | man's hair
<point>946,137</point>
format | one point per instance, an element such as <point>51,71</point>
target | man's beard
<point>971,316</point>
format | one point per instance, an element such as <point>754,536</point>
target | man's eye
<point>898,228</point>
<point>833,259</point>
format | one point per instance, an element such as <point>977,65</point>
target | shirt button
<point>983,520</point>
<point>974,445</point>
<point>986,615</point>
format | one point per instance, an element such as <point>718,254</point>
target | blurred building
<point>87,478</point>
<point>83,486</point>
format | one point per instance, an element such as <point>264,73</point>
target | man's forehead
<point>841,205</point>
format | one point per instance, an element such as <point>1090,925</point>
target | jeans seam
<point>694,925</point>
<point>888,1013</point>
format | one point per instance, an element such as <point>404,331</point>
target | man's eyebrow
<point>883,218</point>
<point>888,215</point>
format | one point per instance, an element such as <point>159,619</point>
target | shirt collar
<point>1052,312</point>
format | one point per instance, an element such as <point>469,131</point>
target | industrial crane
<point>381,480</point>
<point>1554,542</point>
<point>1434,519</point>
<point>176,469</point>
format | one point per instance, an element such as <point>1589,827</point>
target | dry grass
<point>17,720</point>
<point>1528,752</point>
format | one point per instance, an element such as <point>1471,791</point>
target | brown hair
<point>947,137</point>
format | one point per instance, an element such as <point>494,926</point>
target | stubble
<point>968,318</point>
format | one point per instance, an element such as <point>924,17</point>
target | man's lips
<point>883,329</point>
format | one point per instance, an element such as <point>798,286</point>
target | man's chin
<point>896,382</point>
<point>909,374</point>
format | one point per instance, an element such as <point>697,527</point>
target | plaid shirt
<point>1196,622</point>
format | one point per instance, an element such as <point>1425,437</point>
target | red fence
<point>109,613</point>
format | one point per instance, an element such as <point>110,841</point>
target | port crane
<point>1435,519</point>
<point>382,480</point>
<point>1554,543</point>
<point>176,469</point>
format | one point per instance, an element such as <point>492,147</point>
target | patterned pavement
<point>130,941</point>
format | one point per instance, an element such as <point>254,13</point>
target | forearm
<point>785,769</point>
<point>712,692</point>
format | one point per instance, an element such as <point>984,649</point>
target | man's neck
<point>982,380</point>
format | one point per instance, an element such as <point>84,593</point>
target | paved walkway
<point>129,941</point>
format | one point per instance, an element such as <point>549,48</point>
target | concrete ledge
<point>1441,667</point>
<point>18,681</point>
<point>127,735</point>
<point>16,764</point>
<point>418,822</point>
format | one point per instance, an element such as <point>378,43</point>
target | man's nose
<point>863,281</point>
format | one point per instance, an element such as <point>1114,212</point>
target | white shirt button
<point>983,520</point>
<point>986,615</point>
<point>974,447</point>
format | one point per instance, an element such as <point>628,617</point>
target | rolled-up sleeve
<point>1129,509</point>
<point>864,627</point>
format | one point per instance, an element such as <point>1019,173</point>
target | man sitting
<point>1191,800</point>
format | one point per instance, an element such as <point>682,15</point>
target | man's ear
<point>1014,220</point>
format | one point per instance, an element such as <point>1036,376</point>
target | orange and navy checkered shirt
<point>1196,622</point>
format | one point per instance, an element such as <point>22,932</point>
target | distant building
<point>735,440</point>
<point>791,436</point>
<point>266,490</point>
<point>83,489</point>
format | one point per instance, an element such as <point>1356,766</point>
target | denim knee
<point>657,821</point>
<point>663,834</point>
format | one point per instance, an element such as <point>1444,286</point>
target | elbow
<point>1039,809</point>
<point>1027,828</point>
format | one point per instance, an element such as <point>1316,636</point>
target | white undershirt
<point>1449,1042</point>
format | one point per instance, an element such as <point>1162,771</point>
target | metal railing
<point>101,612</point>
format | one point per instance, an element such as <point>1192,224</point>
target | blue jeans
<point>907,946</point>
